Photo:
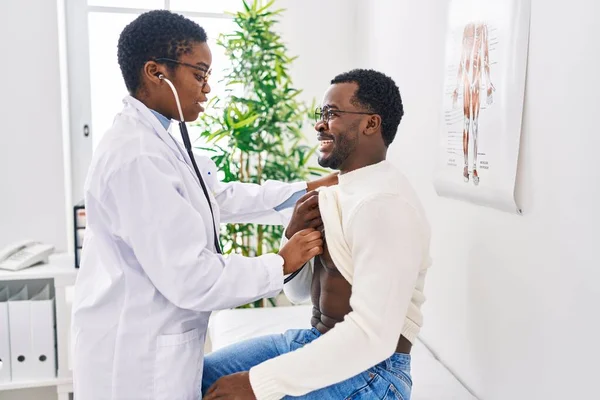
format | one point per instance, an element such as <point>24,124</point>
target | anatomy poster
<point>484,85</point>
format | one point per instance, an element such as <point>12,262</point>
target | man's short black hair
<point>379,94</point>
<point>154,34</point>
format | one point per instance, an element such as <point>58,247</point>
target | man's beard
<point>343,147</point>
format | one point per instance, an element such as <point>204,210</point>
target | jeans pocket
<point>394,394</point>
<point>376,387</point>
<point>403,378</point>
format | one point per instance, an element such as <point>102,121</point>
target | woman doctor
<point>151,269</point>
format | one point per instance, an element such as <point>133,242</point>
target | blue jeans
<point>390,379</point>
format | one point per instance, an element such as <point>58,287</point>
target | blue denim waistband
<point>397,361</point>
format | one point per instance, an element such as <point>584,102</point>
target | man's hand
<point>233,387</point>
<point>303,246</point>
<point>327,180</point>
<point>306,215</point>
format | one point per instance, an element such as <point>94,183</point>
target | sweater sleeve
<point>387,242</point>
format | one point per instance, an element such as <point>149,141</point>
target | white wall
<point>322,34</point>
<point>32,200</point>
<point>512,301</point>
<point>32,191</point>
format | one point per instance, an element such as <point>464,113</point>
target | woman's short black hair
<point>154,34</point>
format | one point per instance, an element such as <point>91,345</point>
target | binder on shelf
<point>79,224</point>
<point>20,334</point>
<point>5,370</point>
<point>32,335</point>
<point>43,343</point>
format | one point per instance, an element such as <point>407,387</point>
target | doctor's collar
<point>165,122</point>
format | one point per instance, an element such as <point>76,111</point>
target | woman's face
<point>191,81</point>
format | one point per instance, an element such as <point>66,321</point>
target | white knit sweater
<point>378,237</point>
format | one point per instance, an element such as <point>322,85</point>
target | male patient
<point>366,287</point>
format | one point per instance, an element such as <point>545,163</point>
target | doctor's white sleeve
<point>248,202</point>
<point>387,243</point>
<point>169,239</point>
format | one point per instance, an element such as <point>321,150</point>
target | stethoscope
<point>188,147</point>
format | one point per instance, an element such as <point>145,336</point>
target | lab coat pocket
<point>177,366</point>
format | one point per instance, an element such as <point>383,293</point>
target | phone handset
<point>24,254</point>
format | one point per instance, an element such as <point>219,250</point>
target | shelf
<point>60,265</point>
<point>34,384</point>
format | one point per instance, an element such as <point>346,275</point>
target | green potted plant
<point>255,131</point>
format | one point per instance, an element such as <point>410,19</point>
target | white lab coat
<point>150,275</point>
